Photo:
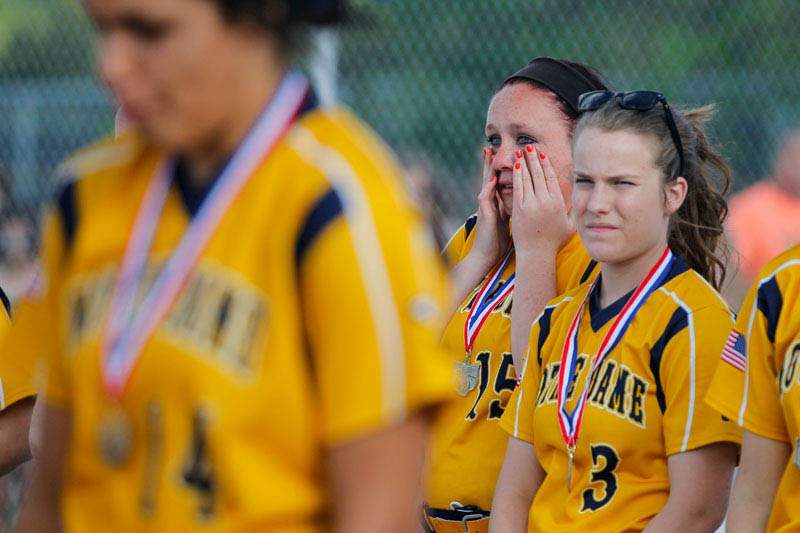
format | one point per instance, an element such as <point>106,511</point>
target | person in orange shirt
<point>758,223</point>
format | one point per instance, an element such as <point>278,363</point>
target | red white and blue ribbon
<point>487,299</point>
<point>129,326</point>
<point>570,421</point>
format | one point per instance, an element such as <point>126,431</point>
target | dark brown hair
<point>281,17</point>
<point>696,228</point>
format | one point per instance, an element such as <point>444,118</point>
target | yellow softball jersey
<point>467,445</point>
<point>5,324</point>
<point>758,385</point>
<point>644,403</point>
<point>310,320</point>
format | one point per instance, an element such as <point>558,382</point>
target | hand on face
<point>540,219</point>
<point>492,237</point>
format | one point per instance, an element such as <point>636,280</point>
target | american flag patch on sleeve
<point>734,351</point>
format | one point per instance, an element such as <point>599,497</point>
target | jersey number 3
<point>605,461</point>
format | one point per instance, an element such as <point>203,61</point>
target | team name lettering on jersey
<point>615,388</point>
<point>215,314</point>
<point>790,375</point>
<point>503,306</point>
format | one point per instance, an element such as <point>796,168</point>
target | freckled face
<point>618,197</point>
<point>521,114</point>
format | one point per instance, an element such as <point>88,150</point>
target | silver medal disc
<point>466,376</point>
<point>115,438</point>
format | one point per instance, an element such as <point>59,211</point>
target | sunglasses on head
<point>636,101</point>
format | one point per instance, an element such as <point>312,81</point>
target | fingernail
<point>517,165</point>
<point>519,153</point>
<point>529,148</point>
<point>541,155</point>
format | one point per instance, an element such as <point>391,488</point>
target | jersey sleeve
<point>746,389</point>
<point>32,342</point>
<point>372,292</point>
<point>517,419</point>
<point>460,243</point>
<point>694,340</point>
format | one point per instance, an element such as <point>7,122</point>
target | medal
<point>570,421</point>
<point>129,326</point>
<point>570,459</point>
<point>115,437</point>
<point>489,295</point>
<point>466,376</point>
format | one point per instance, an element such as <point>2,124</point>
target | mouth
<point>505,188</point>
<point>505,185</point>
<point>601,228</point>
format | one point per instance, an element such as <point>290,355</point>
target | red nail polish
<point>517,165</point>
<point>519,153</point>
<point>529,148</point>
<point>541,155</point>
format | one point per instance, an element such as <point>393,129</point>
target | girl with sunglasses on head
<point>757,385</point>
<point>530,117</point>
<point>608,428</point>
<point>238,334</point>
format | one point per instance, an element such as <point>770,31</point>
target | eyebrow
<point>617,177</point>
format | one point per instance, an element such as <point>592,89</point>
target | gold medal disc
<point>115,437</point>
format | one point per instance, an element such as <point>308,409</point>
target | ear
<point>674,194</point>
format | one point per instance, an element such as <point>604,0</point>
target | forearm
<point>700,483</point>
<point>374,481</point>
<point>510,510</point>
<point>520,478</point>
<point>464,277</point>
<point>535,285</point>
<point>41,512</point>
<point>748,512</point>
<point>762,464</point>
<point>682,517</point>
<point>14,424</point>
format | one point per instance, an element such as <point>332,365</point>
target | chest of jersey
<point>216,375</point>
<point>622,404</point>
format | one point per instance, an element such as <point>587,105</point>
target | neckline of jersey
<point>192,196</point>
<point>600,316</point>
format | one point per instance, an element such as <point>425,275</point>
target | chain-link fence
<point>422,72</point>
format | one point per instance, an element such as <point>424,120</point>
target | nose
<point>504,157</point>
<point>600,199</point>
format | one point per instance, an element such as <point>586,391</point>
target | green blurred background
<point>421,72</point>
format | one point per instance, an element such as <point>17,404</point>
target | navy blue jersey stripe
<point>770,303</point>
<point>677,322</point>
<point>588,271</point>
<point>469,225</point>
<point>6,301</point>
<point>544,332</point>
<point>327,209</point>
<point>68,212</point>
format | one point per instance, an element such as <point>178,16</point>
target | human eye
<point>149,31</point>
<point>526,139</point>
<point>623,182</point>
<point>580,178</point>
<point>493,140</point>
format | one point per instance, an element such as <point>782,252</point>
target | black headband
<point>566,82</point>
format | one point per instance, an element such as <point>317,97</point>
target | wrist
<point>478,261</point>
<point>537,250</point>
